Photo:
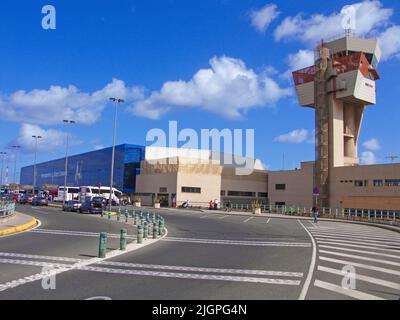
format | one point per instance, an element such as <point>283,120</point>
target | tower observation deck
<point>339,86</point>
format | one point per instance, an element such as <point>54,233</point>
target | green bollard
<point>154,217</point>
<point>139,234</point>
<point>155,231</point>
<point>102,245</point>
<point>109,215</point>
<point>102,213</point>
<point>122,240</point>
<point>145,230</point>
<point>159,228</point>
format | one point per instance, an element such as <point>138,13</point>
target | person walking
<point>315,214</point>
<point>216,204</point>
<point>211,205</point>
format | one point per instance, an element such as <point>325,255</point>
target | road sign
<point>315,191</point>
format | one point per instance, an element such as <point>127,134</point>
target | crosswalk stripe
<point>373,280</point>
<point>361,265</point>
<point>350,244</point>
<point>248,219</point>
<point>361,251</point>
<point>374,242</point>
<point>348,292</point>
<point>356,236</point>
<point>207,216</point>
<point>368,229</point>
<point>392,263</point>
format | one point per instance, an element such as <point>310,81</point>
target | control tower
<point>338,86</point>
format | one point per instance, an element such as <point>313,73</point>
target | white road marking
<point>193,276</point>
<point>307,283</point>
<point>392,263</point>
<point>59,268</point>
<point>365,236</point>
<point>360,251</point>
<point>268,220</point>
<point>348,292</point>
<point>361,265</point>
<point>35,256</point>
<point>361,277</point>
<point>339,243</point>
<point>203,269</point>
<point>239,242</point>
<point>386,234</point>
<point>248,219</point>
<point>78,265</point>
<point>374,242</point>
<point>223,217</point>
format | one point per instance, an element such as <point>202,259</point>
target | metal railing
<point>389,217</point>
<point>7,208</point>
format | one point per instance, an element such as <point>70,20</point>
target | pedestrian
<point>211,204</point>
<point>216,204</point>
<point>228,206</point>
<point>315,214</point>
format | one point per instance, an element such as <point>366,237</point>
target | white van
<point>104,192</point>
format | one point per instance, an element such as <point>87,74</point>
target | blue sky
<point>147,46</point>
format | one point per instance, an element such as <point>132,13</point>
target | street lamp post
<point>66,161</point>
<point>16,147</point>
<point>34,164</point>
<point>116,102</point>
<point>3,154</point>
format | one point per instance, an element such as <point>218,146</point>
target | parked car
<point>71,205</point>
<point>40,201</point>
<point>94,205</point>
<point>26,199</point>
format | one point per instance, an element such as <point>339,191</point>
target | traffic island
<point>17,223</point>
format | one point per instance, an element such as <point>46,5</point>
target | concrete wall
<point>299,186</point>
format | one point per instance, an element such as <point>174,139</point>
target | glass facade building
<point>90,169</point>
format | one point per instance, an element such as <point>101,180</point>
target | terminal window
<point>280,186</point>
<point>241,193</point>
<point>392,182</point>
<point>378,183</point>
<point>191,189</point>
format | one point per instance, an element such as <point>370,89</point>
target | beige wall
<point>299,186</point>
<point>341,189</point>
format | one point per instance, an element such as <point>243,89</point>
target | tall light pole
<point>116,102</point>
<point>16,147</point>
<point>34,164</point>
<point>3,154</point>
<point>66,160</point>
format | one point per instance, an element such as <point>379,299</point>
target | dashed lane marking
<point>180,275</point>
<point>239,242</point>
<point>248,219</point>
<point>269,219</point>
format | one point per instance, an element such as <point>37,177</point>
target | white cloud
<point>389,41</point>
<point>261,19</point>
<point>57,103</point>
<point>98,147</point>
<point>51,139</point>
<point>372,144</point>
<point>227,88</point>
<point>295,136</point>
<point>299,60</point>
<point>368,157</point>
<point>369,16</point>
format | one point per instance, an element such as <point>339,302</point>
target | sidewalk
<point>17,223</point>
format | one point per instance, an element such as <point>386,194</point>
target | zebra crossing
<point>372,253</point>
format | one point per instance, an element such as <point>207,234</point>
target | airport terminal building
<point>90,169</point>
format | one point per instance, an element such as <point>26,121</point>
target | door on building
<point>164,199</point>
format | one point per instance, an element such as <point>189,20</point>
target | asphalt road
<point>203,256</point>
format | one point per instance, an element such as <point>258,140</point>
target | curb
<point>19,228</point>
